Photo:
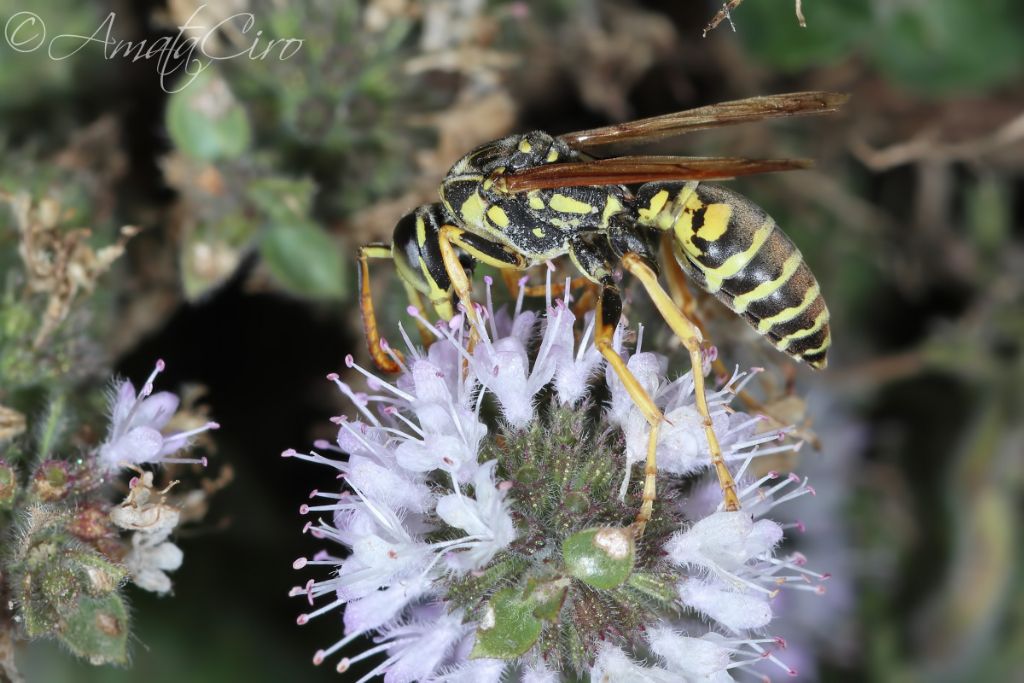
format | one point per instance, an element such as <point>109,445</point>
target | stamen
<point>350,362</point>
<point>522,293</point>
<point>184,461</point>
<point>585,339</point>
<point>408,342</point>
<point>547,284</point>
<point>321,655</point>
<point>312,457</point>
<point>147,387</point>
<point>488,281</point>
<point>183,436</point>
<point>386,348</point>
<point>304,618</point>
<point>415,313</point>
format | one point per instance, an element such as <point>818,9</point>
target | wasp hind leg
<point>687,304</point>
<point>691,336</point>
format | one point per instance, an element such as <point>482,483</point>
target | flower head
<point>486,514</point>
<point>136,421</point>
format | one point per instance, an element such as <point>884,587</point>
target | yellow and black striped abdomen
<point>734,250</point>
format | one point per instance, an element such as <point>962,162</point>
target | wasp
<point>525,199</point>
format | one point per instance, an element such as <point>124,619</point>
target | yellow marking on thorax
<point>536,203</point>
<point>472,210</point>
<point>819,323</point>
<point>498,216</point>
<point>552,156</point>
<point>611,207</point>
<point>525,147</point>
<point>538,232</point>
<point>716,221</point>
<point>488,183</point>
<point>654,207</point>
<point>564,204</point>
<point>793,311</point>
<point>740,303</point>
<point>736,262</point>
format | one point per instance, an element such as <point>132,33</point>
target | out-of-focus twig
<point>925,147</point>
<point>728,7</point>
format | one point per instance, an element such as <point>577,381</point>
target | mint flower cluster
<point>69,549</point>
<point>483,529</point>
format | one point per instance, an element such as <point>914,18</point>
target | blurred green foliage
<point>937,48</point>
<point>206,122</point>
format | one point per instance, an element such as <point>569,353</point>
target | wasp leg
<point>691,337</point>
<point>587,302</point>
<point>480,249</point>
<point>609,310</point>
<point>511,280</point>
<point>687,303</point>
<point>677,281</point>
<point>595,261</point>
<point>380,358</point>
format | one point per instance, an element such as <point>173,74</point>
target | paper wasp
<point>521,200</point>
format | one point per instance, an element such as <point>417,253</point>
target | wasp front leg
<point>376,251</point>
<point>450,238</point>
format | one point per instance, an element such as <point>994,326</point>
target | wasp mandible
<point>527,198</point>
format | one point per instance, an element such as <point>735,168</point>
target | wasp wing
<point>630,170</point>
<point>711,116</point>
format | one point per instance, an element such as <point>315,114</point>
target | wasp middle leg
<point>593,255</point>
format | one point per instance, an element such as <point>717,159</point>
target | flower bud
<point>51,481</point>
<point>602,557</point>
<point>507,628</point>
<point>8,486</point>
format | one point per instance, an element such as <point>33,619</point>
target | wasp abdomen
<point>734,250</point>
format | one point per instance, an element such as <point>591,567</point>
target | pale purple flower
<point>614,665</point>
<point>425,507</point>
<point>136,421</point>
<point>484,517</point>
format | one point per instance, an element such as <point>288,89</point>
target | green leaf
<point>508,628</point>
<point>205,120</point>
<point>601,557</point>
<point>97,629</point>
<point>305,260</point>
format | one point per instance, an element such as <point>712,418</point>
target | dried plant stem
<point>728,7</point>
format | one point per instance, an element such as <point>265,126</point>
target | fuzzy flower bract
<point>483,528</point>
